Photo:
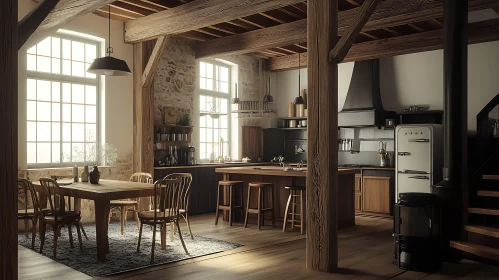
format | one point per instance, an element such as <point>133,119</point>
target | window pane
<point>90,53</point>
<point>223,106</point>
<point>56,132</point>
<point>56,66</point>
<point>66,112</point>
<point>209,70</point>
<point>66,92</point>
<point>216,125</point>
<point>91,95</point>
<point>78,132</point>
<point>90,135</point>
<point>56,91</point>
<point>66,49</point>
<point>78,152</point>
<point>66,132</point>
<point>32,50</point>
<point>31,131</point>
<point>224,74</point>
<point>31,90</point>
<point>209,84</point>
<point>224,87</point>
<point>43,64</point>
<point>56,47</point>
<point>202,69</point>
<point>202,83</point>
<point>202,151</point>
<point>43,111</point>
<point>78,113</point>
<point>43,131</point>
<point>66,152</point>
<point>209,135</point>
<point>31,152</point>
<point>223,133</point>
<point>66,67</point>
<point>43,153</point>
<point>202,121</point>
<point>91,114</point>
<point>78,93</point>
<point>43,90</point>
<point>78,51</point>
<point>56,111</point>
<point>31,111</point>
<point>224,122</point>
<point>31,63</point>
<point>43,48</point>
<point>216,135</point>
<point>202,135</point>
<point>78,69</point>
<point>90,152</point>
<point>89,75</point>
<point>56,152</point>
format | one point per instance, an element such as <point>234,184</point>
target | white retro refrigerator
<point>420,152</point>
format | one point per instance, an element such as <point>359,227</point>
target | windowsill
<point>59,168</point>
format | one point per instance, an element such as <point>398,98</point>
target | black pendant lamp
<point>268,98</point>
<point>235,100</point>
<point>109,65</point>
<point>299,99</point>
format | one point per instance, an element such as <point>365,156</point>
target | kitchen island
<point>281,179</point>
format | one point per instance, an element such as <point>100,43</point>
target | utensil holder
<point>384,162</point>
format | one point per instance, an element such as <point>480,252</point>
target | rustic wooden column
<point>322,174</point>
<point>8,139</point>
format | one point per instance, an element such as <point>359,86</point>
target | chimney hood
<point>363,105</point>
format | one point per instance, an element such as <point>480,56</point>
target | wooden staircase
<point>483,234</point>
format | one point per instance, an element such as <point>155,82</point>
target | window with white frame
<point>214,99</point>
<point>62,102</point>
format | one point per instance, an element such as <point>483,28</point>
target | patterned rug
<point>123,254</point>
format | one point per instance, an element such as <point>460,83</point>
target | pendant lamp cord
<point>299,72</point>
<point>109,50</point>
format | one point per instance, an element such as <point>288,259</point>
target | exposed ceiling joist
<point>479,32</point>
<point>195,15</point>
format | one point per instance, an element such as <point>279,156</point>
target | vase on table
<point>84,174</point>
<point>94,175</point>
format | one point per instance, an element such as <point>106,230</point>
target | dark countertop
<point>203,165</point>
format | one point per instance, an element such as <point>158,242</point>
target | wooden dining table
<point>102,194</point>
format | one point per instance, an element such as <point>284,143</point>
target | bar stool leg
<point>286,213</point>
<point>247,207</point>
<point>260,198</point>
<point>301,213</point>
<point>218,204</point>
<point>230,205</point>
<point>241,193</point>
<point>293,214</point>
<point>272,205</point>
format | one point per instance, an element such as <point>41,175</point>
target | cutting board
<point>252,142</point>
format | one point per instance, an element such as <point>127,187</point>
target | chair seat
<point>68,216</point>
<point>295,188</point>
<point>123,202</point>
<point>229,183</point>
<point>259,184</point>
<point>160,216</point>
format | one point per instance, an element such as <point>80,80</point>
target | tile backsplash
<point>370,137</point>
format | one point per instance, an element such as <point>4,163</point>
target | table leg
<point>101,228</point>
<point>226,177</point>
<point>42,200</point>
<point>163,237</point>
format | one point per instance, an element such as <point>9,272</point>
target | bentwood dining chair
<point>59,216</point>
<point>125,205</point>
<point>166,210</point>
<point>31,208</point>
<point>186,180</point>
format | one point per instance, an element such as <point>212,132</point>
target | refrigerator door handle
<point>420,177</point>
<point>407,171</point>
<point>403,154</point>
<point>419,140</point>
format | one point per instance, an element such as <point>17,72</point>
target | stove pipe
<point>455,173</point>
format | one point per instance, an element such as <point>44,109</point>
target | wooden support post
<point>145,59</point>
<point>322,173</point>
<point>8,139</point>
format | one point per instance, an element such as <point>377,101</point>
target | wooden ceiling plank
<point>415,27</point>
<point>478,32</point>
<point>272,18</point>
<point>69,10</point>
<point>391,31</point>
<point>437,22</point>
<point>286,50</point>
<point>288,11</point>
<point>369,35</point>
<point>113,16</point>
<point>131,9</point>
<point>144,5</point>
<point>119,12</point>
<point>202,30</point>
<point>195,15</point>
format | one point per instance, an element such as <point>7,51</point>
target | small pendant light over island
<point>299,100</point>
<point>268,98</point>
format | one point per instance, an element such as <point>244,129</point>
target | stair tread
<point>484,211</point>
<point>484,230</point>
<point>476,249</point>
<point>488,193</point>
<point>491,177</point>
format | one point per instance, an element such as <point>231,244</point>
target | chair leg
<point>218,204</point>
<point>230,205</point>
<point>301,213</point>
<point>172,231</point>
<point>43,227</point>
<point>186,218</point>
<point>247,207</point>
<point>153,243</point>
<point>70,232</point>
<point>286,213</point>
<point>259,208</point>
<point>140,237</point>
<point>123,219</point>
<point>110,215</point>
<point>83,230</point>
<point>181,238</point>
<point>33,232</point>
<point>272,205</point>
<point>136,215</point>
<point>78,230</point>
<point>57,230</point>
<point>26,228</point>
<point>241,193</point>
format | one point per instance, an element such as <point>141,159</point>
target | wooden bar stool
<point>260,210</point>
<point>294,192</point>
<point>228,187</point>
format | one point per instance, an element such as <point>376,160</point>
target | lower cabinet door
<point>376,194</point>
<point>358,202</point>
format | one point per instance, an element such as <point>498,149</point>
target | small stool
<point>229,187</point>
<point>294,192</point>
<point>260,210</point>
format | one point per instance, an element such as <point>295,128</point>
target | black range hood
<point>363,106</point>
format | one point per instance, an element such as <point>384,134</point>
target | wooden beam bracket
<point>152,64</point>
<point>28,25</point>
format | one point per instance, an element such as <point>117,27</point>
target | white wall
<point>118,105</point>
<point>414,79</point>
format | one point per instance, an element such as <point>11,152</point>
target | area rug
<point>123,254</point>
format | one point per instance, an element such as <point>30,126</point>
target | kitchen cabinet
<point>358,193</point>
<point>377,195</point>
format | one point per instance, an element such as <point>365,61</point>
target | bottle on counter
<point>158,134</point>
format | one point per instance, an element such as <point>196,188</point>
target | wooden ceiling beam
<point>296,32</point>
<point>69,10</point>
<point>195,15</point>
<point>479,32</point>
<point>28,25</point>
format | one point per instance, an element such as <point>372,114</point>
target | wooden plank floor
<point>366,252</point>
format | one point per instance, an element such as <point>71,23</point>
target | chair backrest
<point>186,181</point>
<point>141,177</point>
<point>26,189</point>
<point>167,199</point>
<point>55,196</point>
